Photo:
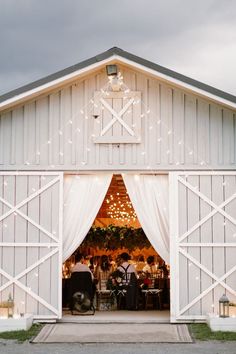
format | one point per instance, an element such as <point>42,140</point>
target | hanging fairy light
<point>120,209</point>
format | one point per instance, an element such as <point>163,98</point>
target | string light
<point>118,211</point>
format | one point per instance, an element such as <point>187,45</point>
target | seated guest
<point>150,267</point>
<point>129,281</point>
<point>140,264</point>
<point>103,271</point>
<point>79,264</point>
<point>125,267</point>
<point>81,283</point>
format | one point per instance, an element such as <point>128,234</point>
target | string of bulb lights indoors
<point>120,209</point>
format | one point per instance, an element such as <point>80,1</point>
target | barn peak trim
<point>114,55</point>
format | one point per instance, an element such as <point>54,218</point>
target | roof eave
<point>29,94</point>
<point>116,55</point>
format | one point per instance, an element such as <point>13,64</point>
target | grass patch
<point>201,331</point>
<point>22,336</point>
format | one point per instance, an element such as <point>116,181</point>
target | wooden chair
<point>153,294</point>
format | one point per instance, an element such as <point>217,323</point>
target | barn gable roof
<point>115,55</point>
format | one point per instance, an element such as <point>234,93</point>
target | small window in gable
<point>117,117</point>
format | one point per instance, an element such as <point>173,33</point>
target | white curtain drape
<point>83,197</point>
<point>149,195</point>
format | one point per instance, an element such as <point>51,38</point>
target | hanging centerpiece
<point>113,237</point>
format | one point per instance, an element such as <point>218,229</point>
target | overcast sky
<point>194,37</point>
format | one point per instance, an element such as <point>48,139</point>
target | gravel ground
<point>211,347</point>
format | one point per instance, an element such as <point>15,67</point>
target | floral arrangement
<point>115,280</point>
<point>113,237</point>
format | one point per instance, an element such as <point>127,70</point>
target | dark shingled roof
<point>126,55</point>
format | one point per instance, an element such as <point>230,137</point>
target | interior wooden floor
<point>121,316</point>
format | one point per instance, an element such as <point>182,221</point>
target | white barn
<point>150,121</point>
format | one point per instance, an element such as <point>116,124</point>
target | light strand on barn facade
<point>91,105</point>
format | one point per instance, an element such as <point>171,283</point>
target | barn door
<point>202,241</point>
<point>31,242</point>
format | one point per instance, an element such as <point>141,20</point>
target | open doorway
<point>116,230</point>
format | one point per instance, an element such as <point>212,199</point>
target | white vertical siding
<point>178,130</point>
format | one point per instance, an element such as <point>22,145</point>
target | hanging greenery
<point>113,237</point>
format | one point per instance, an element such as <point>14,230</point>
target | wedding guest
<point>103,271</point>
<point>130,282</point>
<point>79,264</point>
<point>150,267</point>
<point>140,264</point>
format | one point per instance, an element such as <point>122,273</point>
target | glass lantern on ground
<point>224,306</point>
<point>10,305</point>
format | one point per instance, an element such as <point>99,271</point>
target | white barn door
<point>202,242</point>
<point>31,241</point>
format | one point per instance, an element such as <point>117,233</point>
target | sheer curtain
<point>83,197</point>
<point>149,196</point>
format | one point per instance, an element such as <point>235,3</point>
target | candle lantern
<point>10,306</point>
<point>224,306</point>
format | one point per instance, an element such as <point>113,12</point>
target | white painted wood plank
<point>228,137</point>
<point>6,137</point>
<point>61,128</point>
<point>203,132</point>
<point>90,121</point>
<point>54,127</point>
<point>132,150</point>
<point>178,127</point>
<point>183,263</point>
<point>141,84</point>
<point>206,255</point>
<point>86,109</point>
<point>8,253</point>
<point>190,130</point>
<point>117,129</point>
<point>42,111</point>
<point>97,121</point>
<point>21,225</point>
<point>66,127</point>
<point>29,134</point>
<point>101,149</point>
<point>230,233</point>
<point>33,236</point>
<point>153,126</point>
<point>174,246</point>
<point>170,131</point>
<point>18,121</point>
<point>74,125</point>
<point>55,230</point>
<point>194,282</point>
<point>218,234</point>
<point>220,137</point>
<point>158,124</point>
<point>13,139</point>
<point>45,268</point>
